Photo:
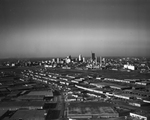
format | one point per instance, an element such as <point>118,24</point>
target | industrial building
<point>140,115</point>
<point>29,115</point>
<point>91,110</point>
<point>15,105</point>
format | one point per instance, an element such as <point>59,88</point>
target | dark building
<point>98,59</point>
<point>70,57</point>
<point>93,56</point>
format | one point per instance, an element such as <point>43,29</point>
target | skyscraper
<point>83,59</point>
<point>103,60</point>
<point>93,56</point>
<point>58,60</point>
<point>98,59</point>
<point>68,59</point>
<point>80,58</point>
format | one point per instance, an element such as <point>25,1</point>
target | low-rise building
<point>140,115</point>
<point>15,105</point>
<point>91,110</point>
<point>29,115</point>
<point>138,103</point>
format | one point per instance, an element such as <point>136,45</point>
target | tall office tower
<point>84,59</point>
<point>53,60</point>
<point>80,58</point>
<point>58,60</point>
<point>93,56</point>
<point>98,59</point>
<point>68,59</point>
<point>103,61</point>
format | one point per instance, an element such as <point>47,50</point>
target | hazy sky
<point>50,28</point>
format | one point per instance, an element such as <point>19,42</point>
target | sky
<point>57,28</point>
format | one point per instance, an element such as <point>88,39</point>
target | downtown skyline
<point>57,28</point>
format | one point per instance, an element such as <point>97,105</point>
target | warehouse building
<point>15,105</point>
<point>29,115</point>
<point>140,115</point>
<point>91,110</point>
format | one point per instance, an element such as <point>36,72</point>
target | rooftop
<point>142,113</point>
<point>91,110</point>
<point>110,84</point>
<point>128,95</point>
<point>2,112</point>
<point>48,93</point>
<point>30,97</point>
<point>21,104</point>
<point>29,115</point>
<point>90,104</point>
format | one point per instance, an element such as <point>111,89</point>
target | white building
<point>84,59</point>
<point>130,67</point>
<point>80,57</point>
<point>139,116</point>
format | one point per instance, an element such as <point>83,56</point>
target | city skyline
<point>57,28</point>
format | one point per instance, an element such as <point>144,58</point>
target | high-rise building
<point>84,59</point>
<point>80,58</point>
<point>58,60</point>
<point>98,59</point>
<point>53,60</point>
<point>103,61</point>
<point>68,59</point>
<point>93,56</point>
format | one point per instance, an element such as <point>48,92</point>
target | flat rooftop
<point>110,84</point>
<point>146,114</point>
<point>91,110</point>
<point>127,95</point>
<point>48,93</point>
<point>32,97</point>
<point>90,104</point>
<point>2,112</point>
<point>21,104</point>
<point>138,92</point>
<point>28,115</point>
